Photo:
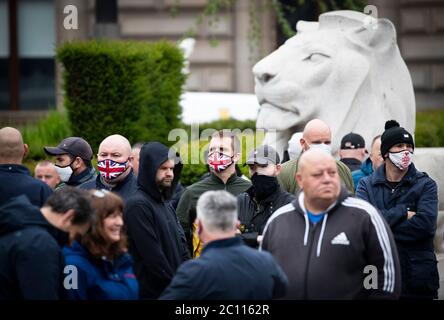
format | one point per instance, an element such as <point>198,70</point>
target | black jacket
<point>125,188</point>
<point>15,180</point>
<point>332,258</point>
<point>186,209</point>
<point>227,269</point>
<point>414,237</point>
<point>352,163</point>
<point>31,260</point>
<point>254,214</point>
<point>157,241</point>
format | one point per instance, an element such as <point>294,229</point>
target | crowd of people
<point>309,226</point>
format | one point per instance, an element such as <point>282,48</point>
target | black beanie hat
<point>394,134</point>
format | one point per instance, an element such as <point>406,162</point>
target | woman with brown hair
<point>103,267</point>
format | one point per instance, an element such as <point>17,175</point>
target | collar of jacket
<point>300,208</point>
<point>16,168</point>
<point>118,186</point>
<point>367,167</point>
<point>410,177</point>
<point>76,248</point>
<point>84,176</point>
<point>223,243</point>
<point>272,197</point>
<point>230,180</point>
<point>298,203</point>
<point>351,161</point>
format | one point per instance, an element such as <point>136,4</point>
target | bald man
<point>15,178</point>
<point>316,134</point>
<point>341,247</point>
<point>114,164</point>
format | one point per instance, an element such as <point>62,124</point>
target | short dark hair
<point>68,198</point>
<point>87,163</point>
<point>225,133</point>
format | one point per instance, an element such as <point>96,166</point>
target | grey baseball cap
<point>75,146</point>
<point>263,155</point>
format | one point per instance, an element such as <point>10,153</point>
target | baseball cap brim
<point>54,151</point>
<point>258,160</point>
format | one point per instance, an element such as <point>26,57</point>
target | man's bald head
<point>116,142</point>
<point>315,132</point>
<point>116,148</point>
<point>318,178</point>
<point>12,148</point>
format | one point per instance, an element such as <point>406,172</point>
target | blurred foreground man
<point>227,269</point>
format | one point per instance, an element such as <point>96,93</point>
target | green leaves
<point>125,87</point>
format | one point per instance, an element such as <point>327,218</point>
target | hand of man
<point>410,214</point>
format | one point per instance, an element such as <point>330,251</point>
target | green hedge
<point>125,87</point>
<point>49,131</point>
<point>429,130</point>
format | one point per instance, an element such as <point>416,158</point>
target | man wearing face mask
<point>223,153</point>
<point>264,197</point>
<point>114,164</point>
<point>316,134</point>
<point>408,200</point>
<point>73,158</point>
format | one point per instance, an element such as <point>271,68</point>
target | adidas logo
<point>340,239</point>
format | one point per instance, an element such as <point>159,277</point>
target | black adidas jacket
<point>350,254</point>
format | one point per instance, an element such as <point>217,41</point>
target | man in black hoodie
<point>157,241</point>
<point>31,260</point>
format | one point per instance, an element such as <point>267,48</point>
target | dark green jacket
<point>287,177</point>
<point>186,209</point>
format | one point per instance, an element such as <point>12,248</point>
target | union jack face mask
<point>110,169</point>
<point>219,162</point>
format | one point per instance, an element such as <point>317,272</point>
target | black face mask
<point>263,185</point>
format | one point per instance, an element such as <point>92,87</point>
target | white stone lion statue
<point>345,69</point>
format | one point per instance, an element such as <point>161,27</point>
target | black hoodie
<point>156,239</point>
<point>31,260</point>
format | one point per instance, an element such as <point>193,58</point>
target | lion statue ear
<point>375,34</point>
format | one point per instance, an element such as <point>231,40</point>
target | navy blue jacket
<point>157,241</point>
<point>125,188</point>
<point>414,237</point>
<point>228,269</point>
<point>31,260</point>
<point>101,279</point>
<point>16,180</point>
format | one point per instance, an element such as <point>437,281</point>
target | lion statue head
<point>345,70</point>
